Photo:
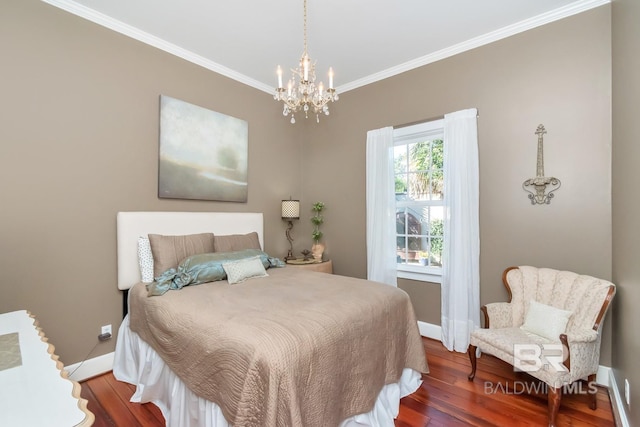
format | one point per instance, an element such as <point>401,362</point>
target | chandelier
<point>303,94</point>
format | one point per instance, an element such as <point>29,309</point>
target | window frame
<point>404,136</point>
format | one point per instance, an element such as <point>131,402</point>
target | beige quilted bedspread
<point>296,348</point>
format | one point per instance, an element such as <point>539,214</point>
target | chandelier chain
<point>305,27</point>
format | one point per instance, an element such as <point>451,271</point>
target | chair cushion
<point>500,343</point>
<point>504,339</point>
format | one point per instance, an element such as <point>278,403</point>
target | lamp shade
<point>291,209</point>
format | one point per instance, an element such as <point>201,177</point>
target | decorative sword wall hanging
<point>540,182</point>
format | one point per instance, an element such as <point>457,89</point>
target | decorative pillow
<point>239,271</point>
<point>236,242</point>
<point>203,268</point>
<point>546,321</point>
<point>145,259</point>
<point>168,251</point>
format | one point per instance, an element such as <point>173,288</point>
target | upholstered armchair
<point>551,328</point>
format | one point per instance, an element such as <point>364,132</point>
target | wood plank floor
<point>497,397</point>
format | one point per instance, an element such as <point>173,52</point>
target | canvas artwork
<point>203,154</point>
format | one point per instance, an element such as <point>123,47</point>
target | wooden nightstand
<point>322,267</point>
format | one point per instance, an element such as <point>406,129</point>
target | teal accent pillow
<point>202,268</point>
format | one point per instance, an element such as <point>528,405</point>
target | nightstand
<point>322,267</point>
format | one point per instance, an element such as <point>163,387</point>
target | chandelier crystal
<point>301,92</point>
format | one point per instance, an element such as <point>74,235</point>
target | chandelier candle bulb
<point>279,77</point>
<point>330,77</point>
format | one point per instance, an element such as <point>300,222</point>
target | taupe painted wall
<point>558,75</point>
<point>79,142</point>
<point>626,205</point>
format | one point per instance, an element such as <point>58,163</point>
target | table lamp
<point>290,211</point>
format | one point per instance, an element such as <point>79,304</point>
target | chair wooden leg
<point>472,357</point>
<point>555,396</point>
<point>592,396</point>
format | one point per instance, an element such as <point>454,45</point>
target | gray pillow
<point>168,251</point>
<point>236,242</point>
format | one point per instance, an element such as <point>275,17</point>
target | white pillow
<point>241,270</point>
<point>546,321</point>
<point>145,259</point>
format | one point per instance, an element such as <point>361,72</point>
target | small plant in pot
<point>423,257</point>
<point>318,248</point>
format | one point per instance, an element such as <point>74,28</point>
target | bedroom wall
<point>558,75</point>
<point>626,206</point>
<point>79,142</point>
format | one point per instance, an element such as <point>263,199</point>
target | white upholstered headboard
<point>131,225</point>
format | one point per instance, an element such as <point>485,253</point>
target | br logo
<point>536,357</point>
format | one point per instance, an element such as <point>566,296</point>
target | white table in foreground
<point>37,391</point>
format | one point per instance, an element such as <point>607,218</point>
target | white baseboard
<point>429,330</point>
<point>603,376</point>
<point>617,403</point>
<point>91,367</point>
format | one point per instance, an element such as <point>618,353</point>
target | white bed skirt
<point>138,364</point>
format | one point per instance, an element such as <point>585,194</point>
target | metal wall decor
<point>537,187</point>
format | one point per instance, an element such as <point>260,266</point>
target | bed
<point>289,348</point>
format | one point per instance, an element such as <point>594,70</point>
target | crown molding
<point>510,30</point>
<point>144,37</point>
<point>519,27</point>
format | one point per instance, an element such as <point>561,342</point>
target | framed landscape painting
<point>203,154</point>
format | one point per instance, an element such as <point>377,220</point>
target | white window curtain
<point>461,251</point>
<point>381,218</point>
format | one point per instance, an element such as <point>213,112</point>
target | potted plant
<point>423,257</point>
<point>318,248</point>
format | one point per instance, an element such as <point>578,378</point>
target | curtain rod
<point>404,125</point>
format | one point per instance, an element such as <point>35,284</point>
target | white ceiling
<point>363,40</point>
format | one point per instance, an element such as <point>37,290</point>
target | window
<point>419,181</point>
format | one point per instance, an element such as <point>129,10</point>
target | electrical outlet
<point>106,329</point>
<point>627,392</point>
<point>105,333</point>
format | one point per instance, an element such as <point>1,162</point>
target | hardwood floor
<point>497,397</point>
